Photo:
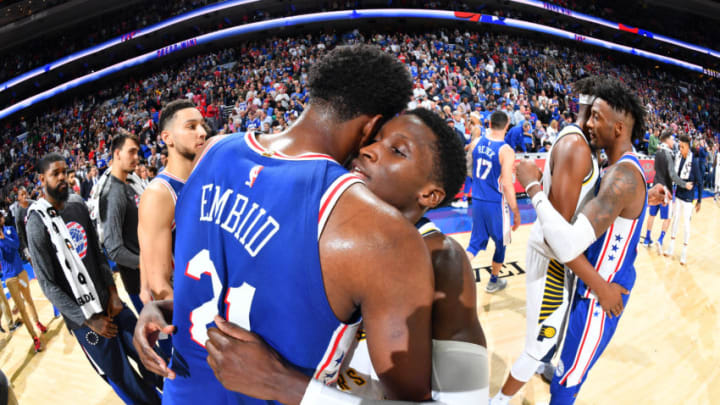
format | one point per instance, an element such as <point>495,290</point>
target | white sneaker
<point>669,250</point>
<point>683,256</point>
<point>496,286</point>
<point>658,247</point>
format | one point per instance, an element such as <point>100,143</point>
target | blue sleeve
<point>13,238</point>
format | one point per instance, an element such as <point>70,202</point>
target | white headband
<point>585,99</point>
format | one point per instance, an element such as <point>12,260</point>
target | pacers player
<point>181,128</point>
<point>303,278</point>
<point>569,179</point>
<point>492,192</point>
<point>459,355</point>
<point>608,227</point>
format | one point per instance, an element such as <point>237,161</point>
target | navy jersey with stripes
<point>248,225</point>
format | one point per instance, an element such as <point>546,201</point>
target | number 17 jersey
<point>248,225</point>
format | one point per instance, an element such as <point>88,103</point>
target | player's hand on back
<point>153,319</point>
<point>243,362</point>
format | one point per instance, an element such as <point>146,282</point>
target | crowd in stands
<point>690,27</point>
<point>28,56</point>
<point>260,86</point>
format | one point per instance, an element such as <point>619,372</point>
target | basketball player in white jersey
<point>460,366</point>
<point>569,178</point>
<point>181,128</point>
<point>606,231</point>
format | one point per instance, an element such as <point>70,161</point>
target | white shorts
<point>548,289</point>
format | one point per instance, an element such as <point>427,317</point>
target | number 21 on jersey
<point>478,168</point>
<point>237,299</point>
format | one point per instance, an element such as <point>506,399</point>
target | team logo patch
<point>546,332</point>
<point>92,338</point>
<point>254,173</point>
<point>137,200</point>
<point>560,369</point>
<point>79,238</point>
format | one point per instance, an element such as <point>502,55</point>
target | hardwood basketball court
<point>665,350</point>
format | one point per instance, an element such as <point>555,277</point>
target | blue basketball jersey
<point>613,253</point>
<point>248,222</point>
<point>174,185</point>
<point>487,170</point>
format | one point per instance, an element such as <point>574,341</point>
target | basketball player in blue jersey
<point>302,274</point>
<point>181,128</point>
<point>608,231</point>
<point>492,192</point>
<point>395,168</point>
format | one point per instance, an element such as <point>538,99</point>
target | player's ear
<point>370,129</point>
<point>431,196</point>
<point>165,136</point>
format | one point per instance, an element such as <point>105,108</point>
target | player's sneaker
<point>669,250</point>
<point>37,344</point>
<point>658,247</point>
<point>15,325</point>
<point>683,256</point>
<point>40,326</point>
<point>496,286</point>
<point>546,371</point>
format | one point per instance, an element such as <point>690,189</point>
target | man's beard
<point>57,195</point>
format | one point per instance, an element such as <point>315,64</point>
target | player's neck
<point>617,151</point>
<point>179,167</point>
<point>496,135</point>
<point>316,132</point>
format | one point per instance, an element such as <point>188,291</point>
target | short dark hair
<point>168,112</point>
<point>684,138</point>
<point>665,134</point>
<point>621,98</point>
<point>119,141</point>
<point>498,120</point>
<point>586,85</point>
<point>48,160</point>
<point>360,80</point>
<point>449,166</point>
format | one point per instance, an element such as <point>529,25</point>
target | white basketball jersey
<point>587,191</point>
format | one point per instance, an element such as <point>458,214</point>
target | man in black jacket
<point>687,167</point>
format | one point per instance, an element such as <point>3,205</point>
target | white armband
<point>567,241</point>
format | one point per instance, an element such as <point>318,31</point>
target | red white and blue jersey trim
<point>613,253</point>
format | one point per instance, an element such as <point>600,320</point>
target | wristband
<point>532,183</point>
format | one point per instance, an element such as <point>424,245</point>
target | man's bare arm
<point>571,162</point>
<point>374,259</point>
<point>155,216</point>
<point>507,160</point>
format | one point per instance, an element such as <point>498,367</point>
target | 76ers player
<point>276,236</point>
<point>609,227</point>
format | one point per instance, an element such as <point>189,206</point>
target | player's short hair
<point>622,99</point>
<point>665,134</point>
<point>168,112</point>
<point>684,139</point>
<point>449,166</point>
<point>119,141</point>
<point>360,80</point>
<point>498,120</point>
<point>586,85</point>
<point>48,160</point>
